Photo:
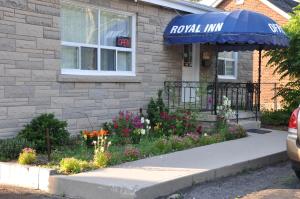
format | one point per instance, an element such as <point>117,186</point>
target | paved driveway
<point>273,182</point>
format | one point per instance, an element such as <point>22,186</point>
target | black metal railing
<point>200,96</point>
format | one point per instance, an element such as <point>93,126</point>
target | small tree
<point>286,62</point>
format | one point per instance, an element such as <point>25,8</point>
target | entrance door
<point>190,73</point>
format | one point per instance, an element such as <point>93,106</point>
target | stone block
<point>17,72</point>
<point>7,44</point>
<point>51,34</point>
<point>6,55</point>
<point>21,111</point>
<point>61,102</point>
<point>29,64</point>
<point>97,93</point>
<point>47,10</point>
<point>29,30</point>
<point>25,44</point>
<point>18,91</point>
<point>19,4</point>
<point>48,44</point>
<point>44,75</point>
<point>40,21</point>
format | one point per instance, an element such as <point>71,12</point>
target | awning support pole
<point>216,83</point>
<point>259,77</point>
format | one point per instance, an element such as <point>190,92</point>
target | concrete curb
<point>25,176</point>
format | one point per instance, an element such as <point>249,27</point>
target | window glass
<point>226,63</point>
<point>229,70</point>
<point>89,40</point>
<point>88,58</point>
<point>221,67</point>
<point>227,55</point>
<point>108,60</point>
<point>79,24</point>
<point>124,61</point>
<point>69,57</point>
<point>113,26</point>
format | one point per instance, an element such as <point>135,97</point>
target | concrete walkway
<point>165,174</point>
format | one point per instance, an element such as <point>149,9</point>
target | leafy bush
<point>11,148</point>
<point>35,132</point>
<point>178,123</point>
<point>131,153</point>
<point>177,142</point>
<point>72,165</point>
<point>161,145</point>
<point>155,107</point>
<point>286,62</point>
<point>27,156</point>
<point>125,128</point>
<point>101,159</point>
<point>276,118</point>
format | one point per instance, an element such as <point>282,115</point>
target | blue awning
<point>237,30</point>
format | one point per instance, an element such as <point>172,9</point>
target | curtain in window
<point>80,25</point>
<point>113,26</point>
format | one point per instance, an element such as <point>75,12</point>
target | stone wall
<point>30,81</point>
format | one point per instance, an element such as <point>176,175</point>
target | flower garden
<point>127,137</point>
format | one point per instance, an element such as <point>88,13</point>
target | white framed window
<point>227,65</point>
<point>97,41</point>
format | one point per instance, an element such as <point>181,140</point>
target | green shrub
<point>155,107</point>
<point>72,165</point>
<point>177,142</point>
<point>161,145</point>
<point>101,159</point>
<point>11,148</point>
<point>276,118</point>
<point>35,132</point>
<point>27,156</point>
<point>131,153</point>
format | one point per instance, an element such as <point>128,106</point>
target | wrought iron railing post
<point>237,104</point>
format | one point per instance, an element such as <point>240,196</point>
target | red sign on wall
<point>124,42</point>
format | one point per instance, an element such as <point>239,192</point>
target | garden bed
<point>127,137</point>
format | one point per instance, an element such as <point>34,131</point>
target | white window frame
<point>98,72</point>
<point>235,60</point>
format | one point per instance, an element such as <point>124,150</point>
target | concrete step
<point>249,124</point>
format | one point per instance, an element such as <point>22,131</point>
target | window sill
<point>98,79</point>
<point>226,77</point>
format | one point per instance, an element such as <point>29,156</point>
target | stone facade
<point>268,78</point>
<point>31,82</point>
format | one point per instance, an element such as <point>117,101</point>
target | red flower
<point>126,132</point>
<point>116,125</point>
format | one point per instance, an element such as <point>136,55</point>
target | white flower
<point>102,149</point>
<point>147,121</point>
<point>205,134</point>
<point>142,120</point>
<point>143,131</point>
<point>94,142</point>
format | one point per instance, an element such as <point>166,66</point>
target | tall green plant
<point>155,108</point>
<point>286,62</point>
